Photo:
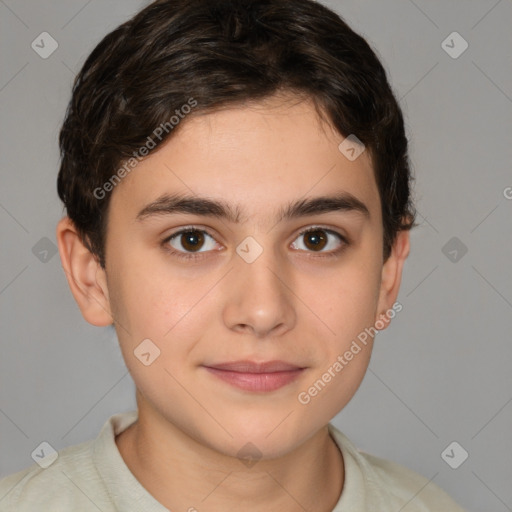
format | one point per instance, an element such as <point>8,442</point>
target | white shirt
<point>92,476</point>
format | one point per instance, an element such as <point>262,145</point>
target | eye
<point>317,238</point>
<point>188,242</point>
<point>191,240</point>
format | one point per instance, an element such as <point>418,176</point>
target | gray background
<point>440,373</point>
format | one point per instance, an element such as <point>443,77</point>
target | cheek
<point>348,300</point>
<point>155,303</point>
<point>348,305</point>
<point>146,300</point>
<point>160,332</point>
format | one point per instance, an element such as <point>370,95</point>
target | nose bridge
<point>260,263</point>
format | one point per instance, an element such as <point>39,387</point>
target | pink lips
<point>252,376</point>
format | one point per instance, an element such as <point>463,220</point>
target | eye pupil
<point>316,238</point>
<point>192,240</point>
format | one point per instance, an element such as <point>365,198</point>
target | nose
<point>259,298</point>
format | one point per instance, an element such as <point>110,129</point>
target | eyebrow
<point>171,204</point>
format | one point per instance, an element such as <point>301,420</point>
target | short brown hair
<point>222,52</point>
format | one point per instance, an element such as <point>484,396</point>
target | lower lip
<point>257,381</point>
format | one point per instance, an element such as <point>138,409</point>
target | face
<point>247,282</point>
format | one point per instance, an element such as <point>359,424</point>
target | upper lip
<point>255,367</point>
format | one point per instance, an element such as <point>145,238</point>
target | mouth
<point>256,376</point>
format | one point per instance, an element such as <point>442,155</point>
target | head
<point>241,106</point>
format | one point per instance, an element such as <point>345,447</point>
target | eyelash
<point>198,256</point>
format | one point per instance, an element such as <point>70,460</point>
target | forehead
<point>257,157</point>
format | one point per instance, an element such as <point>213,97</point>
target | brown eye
<point>317,239</point>
<point>192,243</point>
<point>192,240</point>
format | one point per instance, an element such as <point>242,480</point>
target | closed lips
<point>255,367</point>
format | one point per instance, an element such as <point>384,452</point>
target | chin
<point>268,439</point>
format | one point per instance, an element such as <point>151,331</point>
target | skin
<point>290,304</point>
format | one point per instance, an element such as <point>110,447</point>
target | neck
<point>183,474</point>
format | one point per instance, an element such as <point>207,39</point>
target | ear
<point>392,276</point>
<point>86,279</point>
